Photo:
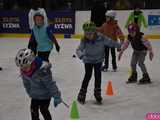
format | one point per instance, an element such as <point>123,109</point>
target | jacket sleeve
<point>51,36</point>
<point>144,20</point>
<point>50,84</point>
<point>147,43</point>
<point>129,20</point>
<point>111,43</point>
<point>120,34</point>
<point>125,45</point>
<point>45,17</point>
<point>30,19</point>
<point>100,29</point>
<point>32,43</point>
<point>27,85</point>
<point>80,49</point>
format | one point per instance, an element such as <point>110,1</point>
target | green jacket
<point>141,19</point>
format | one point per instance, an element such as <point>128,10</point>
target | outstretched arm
<point>80,50</point>
<point>52,37</point>
<point>123,48</point>
<point>32,43</point>
<point>100,29</point>
<point>111,43</point>
<point>144,20</point>
<point>149,47</point>
<point>130,17</point>
<point>120,34</point>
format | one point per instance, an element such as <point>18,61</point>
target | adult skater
<point>136,17</point>
<point>98,13</point>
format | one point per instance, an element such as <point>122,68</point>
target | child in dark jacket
<point>140,47</point>
<point>38,82</point>
<point>42,38</point>
<point>92,50</point>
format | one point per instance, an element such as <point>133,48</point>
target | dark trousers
<point>41,105</point>
<point>88,74</point>
<point>113,54</point>
<point>44,55</point>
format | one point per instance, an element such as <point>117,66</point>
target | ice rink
<point>129,102</point>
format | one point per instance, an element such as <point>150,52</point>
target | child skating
<point>91,50</point>
<point>140,47</point>
<point>38,82</point>
<point>112,30</point>
<point>42,38</point>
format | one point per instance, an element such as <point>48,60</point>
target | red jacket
<point>112,30</point>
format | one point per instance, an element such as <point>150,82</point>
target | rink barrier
<point>69,36</point>
<point>23,35</point>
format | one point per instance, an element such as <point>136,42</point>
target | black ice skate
<point>82,96</point>
<point>145,79</point>
<point>132,78</point>
<point>97,95</point>
<point>115,70</point>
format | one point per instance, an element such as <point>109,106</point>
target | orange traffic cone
<point>109,89</point>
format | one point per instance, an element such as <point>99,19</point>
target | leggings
<point>41,105</point>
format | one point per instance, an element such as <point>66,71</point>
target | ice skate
<point>145,79</point>
<point>132,78</point>
<point>81,96</point>
<point>97,95</point>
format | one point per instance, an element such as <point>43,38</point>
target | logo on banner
<point>10,22</point>
<point>153,20</point>
<point>63,23</point>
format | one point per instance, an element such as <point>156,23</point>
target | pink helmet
<point>133,27</point>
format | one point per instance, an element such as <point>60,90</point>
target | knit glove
<point>57,101</point>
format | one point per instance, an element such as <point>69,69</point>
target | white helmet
<point>24,57</point>
<point>110,13</point>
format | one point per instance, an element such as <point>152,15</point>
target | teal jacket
<point>44,43</point>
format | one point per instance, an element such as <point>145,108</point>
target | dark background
<point>79,4</point>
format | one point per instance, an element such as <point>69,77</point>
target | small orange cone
<point>109,89</point>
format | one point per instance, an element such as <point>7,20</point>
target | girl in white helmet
<point>111,29</point>
<point>38,82</point>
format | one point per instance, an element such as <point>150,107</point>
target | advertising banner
<point>62,22</point>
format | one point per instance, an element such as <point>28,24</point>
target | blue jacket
<point>93,51</point>
<point>40,85</point>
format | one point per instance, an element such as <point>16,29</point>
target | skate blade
<point>145,83</point>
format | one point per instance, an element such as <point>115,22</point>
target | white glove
<point>45,65</point>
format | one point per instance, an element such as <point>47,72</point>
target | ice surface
<point>130,102</point>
